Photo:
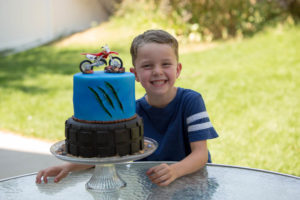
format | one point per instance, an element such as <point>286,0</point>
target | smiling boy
<point>175,117</point>
<point>156,68</point>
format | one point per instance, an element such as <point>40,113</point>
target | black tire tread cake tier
<point>104,140</point>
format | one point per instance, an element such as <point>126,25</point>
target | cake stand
<point>105,177</point>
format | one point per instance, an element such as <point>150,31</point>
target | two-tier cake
<point>105,122</point>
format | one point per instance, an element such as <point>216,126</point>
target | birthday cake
<point>105,122</point>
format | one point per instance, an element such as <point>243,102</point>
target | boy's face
<point>157,69</point>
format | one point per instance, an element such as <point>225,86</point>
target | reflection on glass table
<point>105,177</point>
<point>210,183</point>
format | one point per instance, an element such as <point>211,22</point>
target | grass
<point>252,93</point>
<point>251,90</point>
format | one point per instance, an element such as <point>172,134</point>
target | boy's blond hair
<point>153,36</point>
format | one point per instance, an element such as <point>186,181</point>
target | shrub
<point>208,19</point>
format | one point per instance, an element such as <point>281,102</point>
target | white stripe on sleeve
<point>196,116</point>
<point>198,127</point>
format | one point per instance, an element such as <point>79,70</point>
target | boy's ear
<point>178,70</point>
<point>132,70</point>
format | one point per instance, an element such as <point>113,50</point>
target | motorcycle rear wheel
<point>116,62</point>
<point>85,66</point>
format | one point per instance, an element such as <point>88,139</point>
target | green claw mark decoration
<point>100,101</point>
<point>107,97</point>
<point>115,94</point>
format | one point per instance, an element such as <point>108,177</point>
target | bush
<point>209,19</point>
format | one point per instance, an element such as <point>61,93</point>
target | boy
<point>175,117</point>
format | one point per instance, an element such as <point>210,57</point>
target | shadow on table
<point>15,163</point>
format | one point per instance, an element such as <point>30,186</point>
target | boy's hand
<point>162,175</point>
<point>58,171</point>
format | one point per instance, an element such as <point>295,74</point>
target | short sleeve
<point>197,123</point>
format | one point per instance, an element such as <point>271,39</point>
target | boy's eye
<point>146,66</point>
<point>167,64</point>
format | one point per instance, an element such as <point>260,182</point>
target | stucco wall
<point>28,23</point>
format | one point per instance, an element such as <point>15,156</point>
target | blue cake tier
<point>104,96</point>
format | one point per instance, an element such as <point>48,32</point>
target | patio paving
<point>20,155</point>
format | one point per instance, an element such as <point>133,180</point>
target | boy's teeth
<point>158,82</point>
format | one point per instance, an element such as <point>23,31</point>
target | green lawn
<point>251,90</point>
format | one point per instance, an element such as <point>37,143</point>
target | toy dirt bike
<point>99,59</point>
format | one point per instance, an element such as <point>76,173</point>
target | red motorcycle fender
<point>94,54</point>
<point>113,52</point>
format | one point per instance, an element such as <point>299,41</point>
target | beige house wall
<point>28,23</point>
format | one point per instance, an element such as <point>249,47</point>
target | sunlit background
<point>241,55</point>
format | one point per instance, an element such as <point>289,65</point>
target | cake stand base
<point>105,177</point>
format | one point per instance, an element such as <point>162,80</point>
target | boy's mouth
<point>158,82</point>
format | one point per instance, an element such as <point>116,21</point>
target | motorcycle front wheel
<point>85,66</point>
<point>116,62</point>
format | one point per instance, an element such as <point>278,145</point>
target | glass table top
<point>210,183</point>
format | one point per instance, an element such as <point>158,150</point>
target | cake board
<point>105,177</point>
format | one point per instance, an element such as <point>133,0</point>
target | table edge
<point>170,162</point>
<point>253,169</point>
<point>18,176</point>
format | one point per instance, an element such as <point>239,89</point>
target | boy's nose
<point>157,70</point>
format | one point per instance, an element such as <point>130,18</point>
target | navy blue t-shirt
<point>174,127</point>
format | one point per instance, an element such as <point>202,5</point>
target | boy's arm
<point>193,162</point>
<point>164,174</point>
<point>59,172</point>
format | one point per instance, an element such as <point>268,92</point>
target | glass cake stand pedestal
<point>105,177</point>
